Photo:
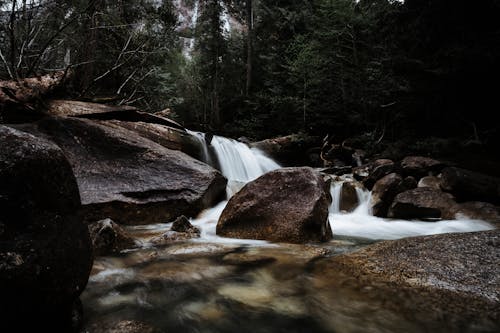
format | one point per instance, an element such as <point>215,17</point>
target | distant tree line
<point>385,68</point>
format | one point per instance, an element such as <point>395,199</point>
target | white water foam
<point>361,222</point>
<point>200,137</point>
<point>241,164</point>
<point>238,162</point>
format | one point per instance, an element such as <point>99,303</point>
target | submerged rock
<point>477,210</point>
<point>285,205</point>
<point>348,197</point>
<point>128,178</point>
<point>108,238</point>
<point>181,230</point>
<point>45,249</point>
<point>423,203</point>
<point>456,276</point>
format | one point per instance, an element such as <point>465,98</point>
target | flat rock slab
<point>455,275</point>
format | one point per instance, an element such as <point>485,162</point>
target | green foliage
<point>387,68</point>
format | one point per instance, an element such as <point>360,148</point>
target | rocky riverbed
<point>159,214</point>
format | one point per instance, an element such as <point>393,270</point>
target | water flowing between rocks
<point>216,284</point>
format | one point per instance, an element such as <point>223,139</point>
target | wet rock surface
<point>430,181</point>
<point>422,203</point>
<point>384,191</point>
<point>169,137</point>
<point>181,230</point>
<point>285,205</point>
<point>378,169</point>
<point>420,166</point>
<point>479,211</point>
<point>456,276</point>
<point>108,238</point>
<point>348,196</point>
<point>45,249</point>
<point>128,178</point>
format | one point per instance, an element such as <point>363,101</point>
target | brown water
<point>234,288</point>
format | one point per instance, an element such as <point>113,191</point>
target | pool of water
<point>214,287</point>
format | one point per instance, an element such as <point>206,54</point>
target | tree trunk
<point>28,89</point>
<point>88,69</point>
<point>249,12</point>
<point>12,35</point>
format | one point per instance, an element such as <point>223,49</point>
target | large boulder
<point>154,127</point>
<point>423,203</point>
<point>128,178</point>
<point>383,192</point>
<point>430,181</point>
<point>291,150</point>
<point>420,166</point>
<point>70,108</point>
<point>468,185</point>
<point>45,249</point>
<point>168,137</point>
<point>386,188</point>
<point>378,169</point>
<point>285,205</point>
<point>449,277</point>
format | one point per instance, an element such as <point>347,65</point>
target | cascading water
<point>335,192</point>
<point>200,137</point>
<point>240,164</point>
<point>361,222</point>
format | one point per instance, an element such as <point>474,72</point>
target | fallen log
<point>19,98</point>
<point>26,90</point>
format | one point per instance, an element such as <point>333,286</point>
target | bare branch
<point>6,64</point>
<point>118,92</point>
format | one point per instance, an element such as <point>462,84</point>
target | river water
<point>216,284</point>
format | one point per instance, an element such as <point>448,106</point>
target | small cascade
<point>364,199</point>
<point>335,192</point>
<point>361,222</point>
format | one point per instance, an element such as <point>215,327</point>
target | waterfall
<point>240,163</point>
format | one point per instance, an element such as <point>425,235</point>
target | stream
<point>216,284</point>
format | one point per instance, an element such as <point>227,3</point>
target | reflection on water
<point>221,285</point>
<point>209,287</point>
